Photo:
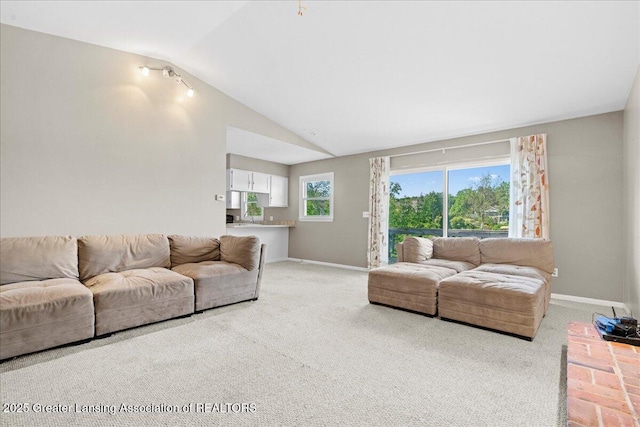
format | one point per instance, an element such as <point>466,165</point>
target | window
<point>250,208</point>
<point>451,201</point>
<point>478,201</point>
<point>316,197</point>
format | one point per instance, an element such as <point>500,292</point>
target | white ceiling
<point>355,76</point>
<point>247,144</point>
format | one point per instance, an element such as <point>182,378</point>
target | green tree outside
<point>317,200</point>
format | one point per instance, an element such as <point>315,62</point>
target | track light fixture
<point>169,73</point>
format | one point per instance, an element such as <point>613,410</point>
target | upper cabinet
<point>241,180</point>
<point>260,183</point>
<point>278,196</point>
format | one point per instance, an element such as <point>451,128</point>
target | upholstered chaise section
<point>408,286</point>
<point>509,291</point>
<point>513,304</point>
<point>42,303</point>
<point>519,257</point>
<point>131,282</point>
<point>224,271</point>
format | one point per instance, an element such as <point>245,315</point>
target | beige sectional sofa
<point>42,302</point>
<point>57,290</point>
<point>497,283</point>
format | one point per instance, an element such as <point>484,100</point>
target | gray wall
<point>631,185</point>
<point>256,165</point>
<point>90,146</point>
<point>585,157</point>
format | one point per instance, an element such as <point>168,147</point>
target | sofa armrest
<point>263,252</point>
<point>241,250</point>
<point>399,249</point>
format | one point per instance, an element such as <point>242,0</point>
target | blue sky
<point>424,182</point>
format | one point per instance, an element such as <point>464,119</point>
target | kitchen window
<point>250,209</point>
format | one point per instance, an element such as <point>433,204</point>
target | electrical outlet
<point>365,214</point>
<point>270,218</point>
<point>555,273</point>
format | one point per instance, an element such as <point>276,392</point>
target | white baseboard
<point>330,264</point>
<point>589,301</point>
<point>276,260</point>
<point>583,300</point>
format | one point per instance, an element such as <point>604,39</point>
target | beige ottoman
<point>408,286</point>
<point>508,303</point>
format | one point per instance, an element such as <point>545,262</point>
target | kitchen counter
<point>249,225</point>
<point>274,234</point>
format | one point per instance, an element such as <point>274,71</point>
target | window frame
<point>302,198</point>
<point>244,207</point>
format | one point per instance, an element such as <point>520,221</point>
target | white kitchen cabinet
<point>239,180</point>
<point>233,199</point>
<point>278,196</point>
<point>242,180</point>
<point>260,182</point>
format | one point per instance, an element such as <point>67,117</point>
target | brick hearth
<point>603,380</point>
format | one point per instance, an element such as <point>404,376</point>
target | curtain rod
<point>443,149</point>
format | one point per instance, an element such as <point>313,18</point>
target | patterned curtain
<point>529,210</point>
<point>377,254</point>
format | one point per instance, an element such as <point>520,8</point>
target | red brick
<point>577,328</point>
<point>632,389</point>
<point>578,355</point>
<point>622,349</point>
<point>635,401</point>
<point>606,379</point>
<point>615,418</point>
<point>617,404</point>
<point>579,373</point>
<point>581,412</point>
<point>629,370</point>
<point>634,360</point>
<point>588,341</point>
<point>632,381</point>
<point>578,347</point>
<point>601,354</point>
<point>596,389</point>
<point>590,363</point>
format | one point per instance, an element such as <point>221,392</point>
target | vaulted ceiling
<point>356,76</point>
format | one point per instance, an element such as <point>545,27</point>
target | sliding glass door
<point>473,198</point>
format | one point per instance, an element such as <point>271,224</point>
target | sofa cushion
<point>409,286</point>
<point>36,315</point>
<point>513,304</point>
<point>416,249</point>
<point>523,271</point>
<point>536,253</point>
<point>514,293</point>
<point>457,266</point>
<point>187,249</point>
<point>107,254</point>
<point>138,297</point>
<point>220,283</point>
<point>38,258</point>
<point>515,270</point>
<point>242,250</point>
<point>457,249</point>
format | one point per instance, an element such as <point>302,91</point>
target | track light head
<point>167,72</point>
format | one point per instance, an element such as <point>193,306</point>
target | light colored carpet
<point>310,352</point>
